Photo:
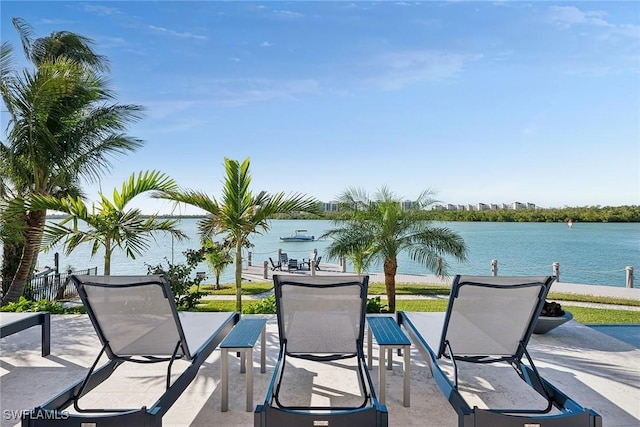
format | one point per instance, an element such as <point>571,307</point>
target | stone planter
<point>547,323</point>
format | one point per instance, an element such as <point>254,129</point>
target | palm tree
<point>381,229</point>
<point>240,213</point>
<point>57,44</point>
<point>62,129</point>
<point>110,225</point>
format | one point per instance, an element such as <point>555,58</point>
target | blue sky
<point>479,101</point>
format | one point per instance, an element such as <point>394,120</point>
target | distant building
<point>406,205</point>
<point>331,206</point>
<point>480,206</point>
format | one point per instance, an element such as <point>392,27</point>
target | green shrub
<point>268,306</point>
<point>375,305</point>
<point>264,306</point>
<point>54,307</point>
<point>181,280</point>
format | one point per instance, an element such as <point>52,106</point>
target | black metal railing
<point>54,286</point>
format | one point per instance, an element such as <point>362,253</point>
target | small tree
<point>181,279</point>
<point>381,228</point>
<point>217,256</point>
<point>110,224</point>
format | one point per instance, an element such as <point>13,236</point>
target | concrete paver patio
<point>595,369</point>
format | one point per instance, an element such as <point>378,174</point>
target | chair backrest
<point>489,316</point>
<point>133,315</point>
<point>321,315</point>
<point>284,259</point>
<point>318,262</point>
<point>273,264</point>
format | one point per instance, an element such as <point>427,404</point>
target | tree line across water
<point>629,213</point>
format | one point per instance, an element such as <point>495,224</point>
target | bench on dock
<point>11,323</point>
<point>389,336</point>
<point>242,339</point>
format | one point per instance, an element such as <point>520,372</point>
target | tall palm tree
<point>382,229</point>
<point>59,43</point>
<point>239,212</point>
<point>109,224</point>
<point>63,129</point>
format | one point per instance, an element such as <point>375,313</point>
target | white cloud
<point>101,10</point>
<point>265,44</point>
<point>109,42</point>
<point>288,14</point>
<point>238,92</point>
<point>571,15</point>
<point>568,16</point>
<point>400,69</point>
<point>184,35</point>
<point>159,110</point>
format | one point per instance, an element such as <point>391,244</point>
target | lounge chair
<point>490,319</point>
<point>284,258</point>
<point>136,320</point>
<point>11,323</point>
<point>292,264</point>
<point>275,266</point>
<point>317,265</point>
<point>321,319</point>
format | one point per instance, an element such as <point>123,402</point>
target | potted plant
<point>551,316</point>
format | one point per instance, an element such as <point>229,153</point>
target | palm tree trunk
<point>239,276</point>
<point>107,257</point>
<point>390,268</point>
<point>33,238</point>
<point>11,253</point>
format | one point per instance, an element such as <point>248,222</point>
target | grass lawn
<point>255,288</point>
<point>580,314</point>
<point>230,289</point>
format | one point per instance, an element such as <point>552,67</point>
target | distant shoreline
<point>56,217</point>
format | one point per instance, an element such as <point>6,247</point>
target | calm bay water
<point>588,253</point>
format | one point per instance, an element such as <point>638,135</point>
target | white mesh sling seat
<point>321,319</point>
<point>490,319</point>
<point>136,320</point>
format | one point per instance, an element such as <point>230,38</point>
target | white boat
<point>298,236</point>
